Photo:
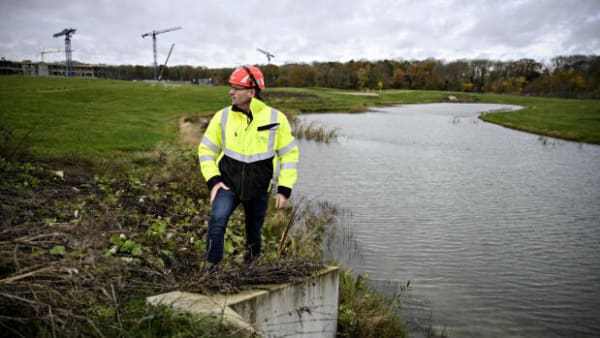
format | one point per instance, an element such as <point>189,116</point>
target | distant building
<point>29,68</point>
<point>208,81</point>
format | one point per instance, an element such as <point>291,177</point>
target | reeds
<point>364,313</point>
<point>314,131</point>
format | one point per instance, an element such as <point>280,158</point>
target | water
<point>497,230</point>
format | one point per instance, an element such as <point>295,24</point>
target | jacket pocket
<point>268,126</point>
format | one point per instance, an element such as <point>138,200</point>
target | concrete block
<point>307,308</point>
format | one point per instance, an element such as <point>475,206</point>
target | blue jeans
<point>222,207</point>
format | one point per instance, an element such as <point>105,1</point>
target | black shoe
<point>250,259</point>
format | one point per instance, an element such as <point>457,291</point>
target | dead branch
<point>28,274</point>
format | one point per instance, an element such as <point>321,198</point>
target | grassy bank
<point>576,120</point>
<point>89,118</point>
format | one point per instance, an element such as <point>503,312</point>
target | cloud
<point>227,33</point>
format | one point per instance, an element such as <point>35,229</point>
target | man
<point>246,146</point>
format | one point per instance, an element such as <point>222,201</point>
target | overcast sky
<point>223,33</point>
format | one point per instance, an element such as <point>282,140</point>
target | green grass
<point>88,118</point>
<point>577,120</point>
<point>319,99</point>
<point>92,119</point>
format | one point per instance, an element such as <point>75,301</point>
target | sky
<point>224,33</point>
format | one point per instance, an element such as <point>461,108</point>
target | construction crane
<point>267,54</point>
<point>44,52</point>
<point>154,34</point>
<point>67,32</point>
<point>167,60</point>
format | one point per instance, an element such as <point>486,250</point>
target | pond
<point>498,231</point>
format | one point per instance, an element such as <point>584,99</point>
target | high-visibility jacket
<point>249,152</point>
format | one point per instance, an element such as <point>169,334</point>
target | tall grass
<point>364,313</point>
<point>163,321</point>
<point>314,131</point>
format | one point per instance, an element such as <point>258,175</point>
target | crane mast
<point>67,32</point>
<point>167,60</point>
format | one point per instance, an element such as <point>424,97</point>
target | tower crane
<point>154,33</point>
<point>267,54</point>
<point>44,52</point>
<point>67,32</point>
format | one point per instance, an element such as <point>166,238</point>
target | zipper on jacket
<point>243,182</point>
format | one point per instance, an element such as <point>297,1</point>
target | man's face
<point>240,96</point>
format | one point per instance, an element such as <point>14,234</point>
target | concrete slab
<point>307,308</point>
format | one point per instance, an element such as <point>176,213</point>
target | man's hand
<point>215,189</point>
<point>280,201</point>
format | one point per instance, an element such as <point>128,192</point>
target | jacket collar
<point>256,105</point>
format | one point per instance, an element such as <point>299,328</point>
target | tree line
<point>574,76</point>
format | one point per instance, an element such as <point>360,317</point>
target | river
<point>498,231</point>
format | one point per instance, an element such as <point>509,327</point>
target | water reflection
<point>497,229</point>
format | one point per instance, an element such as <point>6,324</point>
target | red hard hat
<point>248,76</point>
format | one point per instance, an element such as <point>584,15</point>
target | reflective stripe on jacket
<point>246,154</point>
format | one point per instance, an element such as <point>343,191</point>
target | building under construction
<point>30,68</point>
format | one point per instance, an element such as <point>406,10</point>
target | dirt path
<point>191,128</point>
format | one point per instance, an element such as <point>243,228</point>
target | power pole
<point>154,34</point>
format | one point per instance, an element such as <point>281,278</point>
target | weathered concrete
<point>304,309</point>
<point>201,305</point>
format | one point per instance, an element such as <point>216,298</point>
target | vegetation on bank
<point>80,251</point>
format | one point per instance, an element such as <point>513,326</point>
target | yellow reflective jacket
<point>248,152</point>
